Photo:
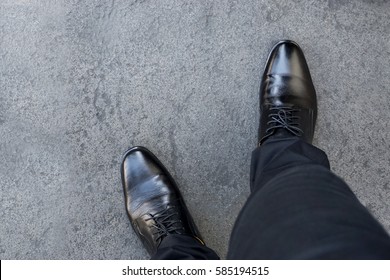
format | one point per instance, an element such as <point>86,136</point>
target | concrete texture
<point>83,80</point>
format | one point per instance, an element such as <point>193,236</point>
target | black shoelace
<point>284,117</point>
<point>166,222</point>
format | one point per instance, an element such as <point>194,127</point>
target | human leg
<point>298,209</point>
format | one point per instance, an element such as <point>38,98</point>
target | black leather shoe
<point>288,102</point>
<point>153,201</point>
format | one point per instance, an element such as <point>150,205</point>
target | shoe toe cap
<point>145,180</point>
<point>287,59</point>
<point>138,166</point>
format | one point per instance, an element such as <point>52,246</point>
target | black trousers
<point>298,209</point>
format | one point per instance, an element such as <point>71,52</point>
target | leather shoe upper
<point>153,201</point>
<point>288,103</point>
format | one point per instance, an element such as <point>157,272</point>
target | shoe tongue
<point>170,221</point>
<point>176,223</point>
<point>281,133</point>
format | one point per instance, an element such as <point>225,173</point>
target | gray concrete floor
<point>83,80</point>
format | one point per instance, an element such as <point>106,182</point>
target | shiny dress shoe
<point>153,201</point>
<point>288,102</point>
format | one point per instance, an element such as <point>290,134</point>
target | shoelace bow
<point>165,222</point>
<point>283,117</point>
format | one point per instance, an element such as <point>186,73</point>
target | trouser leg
<point>182,247</point>
<point>298,209</point>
